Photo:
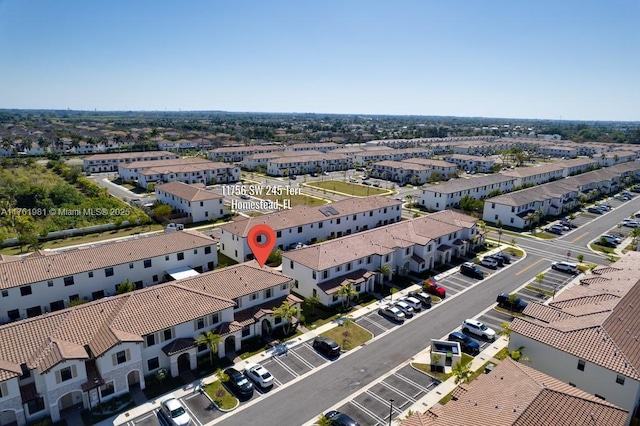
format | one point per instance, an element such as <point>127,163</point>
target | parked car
<point>174,412</point>
<point>570,268</point>
<point>326,346</point>
<point>366,178</point>
<point>239,383</point>
<point>364,182</point>
<point>478,328</point>
<point>568,224</point>
<point>314,174</point>
<point>605,243</point>
<point>392,313</point>
<point>423,297</point>
<point>487,262</point>
<point>467,344</point>
<point>603,208</point>
<point>557,231</point>
<point>244,197</point>
<point>404,307</point>
<point>377,184</point>
<point>431,287</point>
<point>292,177</point>
<point>325,173</point>
<point>594,210</point>
<point>518,305</point>
<point>559,228</point>
<point>259,375</point>
<point>471,270</point>
<point>612,238</point>
<point>498,259</point>
<point>504,256</point>
<point>416,304</point>
<point>632,224</point>
<point>340,419</point>
<point>352,180</point>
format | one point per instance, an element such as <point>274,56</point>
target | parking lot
<point>405,387</point>
<point>292,363</point>
<point>376,323</point>
<point>197,405</point>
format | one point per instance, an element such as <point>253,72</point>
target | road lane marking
<point>529,267</point>
<point>580,237</point>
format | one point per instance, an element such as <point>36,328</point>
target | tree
<point>312,303</point>
<point>275,258</point>
<point>512,301</point>
<point>517,355</point>
<point>346,292</point>
<point>539,278</point>
<point>384,271</point>
<point>323,421</point>
<point>212,339</point>
<point>224,377</point>
<point>505,329</point>
<point>580,258</point>
<point>162,211</point>
<point>287,312</point>
<point>126,286</point>
<point>461,372</point>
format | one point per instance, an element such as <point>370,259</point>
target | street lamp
<point>390,410</point>
<point>499,236</point>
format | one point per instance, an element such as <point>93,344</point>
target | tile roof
<point>401,165</point>
<point>595,321</point>
<point>356,277</point>
<point>303,215</point>
<point>130,155</point>
<point>195,192</point>
<point>184,168</point>
<point>515,394</point>
<point>533,170</point>
<point>429,162</point>
<point>44,341</point>
<point>165,163</point>
<point>47,265</point>
<point>463,184</point>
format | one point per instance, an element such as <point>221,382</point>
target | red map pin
<point>261,251</point>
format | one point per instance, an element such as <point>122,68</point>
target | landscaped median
<point>346,188</point>
<point>220,396</point>
<point>348,335</point>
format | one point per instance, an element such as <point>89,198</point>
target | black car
<point>518,304</point>
<point>554,231</point>
<point>340,419</point>
<point>594,210</point>
<point>504,256</point>
<point>467,344</point>
<point>326,346</point>
<point>471,270</point>
<point>239,383</point>
<point>498,259</point>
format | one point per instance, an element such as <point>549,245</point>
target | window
<point>246,330</point>
<point>215,318</point>
<point>284,286</point>
<point>277,320</point>
<point>338,221</point>
<point>121,357</point>
<point>313,275</point>
<point>155,278</point>
<point>153,364</point>
<point>299,229</point>
<point>107,389</point>
<point>108,272</point>
<point>291,264</point>
<point>358,287</point>
<point>168,334</point>
<point>620,380</point>
<point>91,274</point>
<point>338,268</point>
<point>195,251</point>
<point>5,293</point>
<point>49,283</point>
<point>147,263</point>
<point>66,374</point>
<point>131,266</point>
<point>581,365</point>
<point>26,373</point>
<point>238,301</point>
<point>279,234</point>
<point>254,296</point>
<point>268,293</point>
<point>13,314</point>
<point>354,217</point>
<point>207,250</point>
<point>151,339</point>
<point>180,256</point>
<point>386,258</point>
<point>325,274</point>
<point>334,298</point>
<point>36,405</point>
<point>199,323</point>
<point>320,225</point>
<point>166,257</point>
<point>26,290</point>
<point>368,260</point>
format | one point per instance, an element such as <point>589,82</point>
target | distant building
<point>471,162</point>
<point>193,201</point>
<point>110,162</point>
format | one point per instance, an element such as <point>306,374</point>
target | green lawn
<point>348,188</point>
<point>224,261</point>
<point>221,396</point>
<point>545,235</point>
<point>603,249</point>
<point>502,354</point>
<point>296,200</point>
<point>348,336</point>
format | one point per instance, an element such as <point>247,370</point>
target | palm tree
<point>462,372</point>
<point>384,271</point>
<point>287,312</point>
<point>517,355</point>
<point>210,338</point>
<point>505,329</point>
<point>323,421</point>
<point>347,293</point>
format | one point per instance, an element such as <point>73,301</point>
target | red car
<point>431,287</point>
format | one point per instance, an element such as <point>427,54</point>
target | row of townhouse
<point>261,160</point>
<point>553,150</point>
<point>110,162</point>
<point>524,208</point>
<point>448,194</point>
<point>235,154</point>
<point>195,201</point>
<point>401,172</point>
<point>320,147</point>
<point>186,170</point>
<point>46,281</point>
<point>588,335</point>
<point>368,156</point>
<point>305,224</point>
<point>471,162</point>
<point>415,245</point>
<point>303,164</point>
<point>87,354</point>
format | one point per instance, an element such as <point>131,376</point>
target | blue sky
<point>544,59</point>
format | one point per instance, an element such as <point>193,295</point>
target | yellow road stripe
<point>580,237</point>
<point>529,267</point>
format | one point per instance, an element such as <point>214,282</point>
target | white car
<point>631,223</point>
<point>570,268</point>
<point>175,412</point>
<point>259,375</point>
<point>405,307</point>
<point>416,304</point>
<point>478,328</point>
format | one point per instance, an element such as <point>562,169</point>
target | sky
<point>569,59</point>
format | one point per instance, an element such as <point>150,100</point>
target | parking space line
<point>374,323</point>
<point>398,391</point>
<point>286,367</point>
<point>304,361</point>
<point>193,416</point>
<point>411,382</point>
<point>397,409</point>
<point>367,411</point>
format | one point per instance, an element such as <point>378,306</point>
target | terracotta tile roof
<point>42,342</point>
<point>57,264</point>
<point>533,170</point>
<point>303,215</point>
<point>401,165</point>
<point>129,155</point>
<point>356,277</point>
<point>166,163</point>
<point>598,322</point>
<point>235,281</point>
<point>515,394</point>
<point>195,192</point>
<point>254,313</point>
<point>417,419</point>
<point>179,345</point>
<point>429,163</point>
<point>463,184</point>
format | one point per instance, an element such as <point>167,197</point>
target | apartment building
<point>47,281</point>
<point>187,170</point>
<point>375,154</point>
<point>252,162</point>
<point>192,201</point>
<point>516,394</point>
<point>304,224</point>
<point>535,175</point>
<point>552,150</point>
<point>235,154</point>
<point>110,162</point>
<point>401,172</point>
<point>320,147</point>
<point>471,162</point>
<point>448,194</point>
<point>303,164</point>
<point>414,245</point>
<point>444,168</point>
<point>588,335</point>
<point>615,157</point>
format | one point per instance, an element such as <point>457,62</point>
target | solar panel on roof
<point>332,210</point>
